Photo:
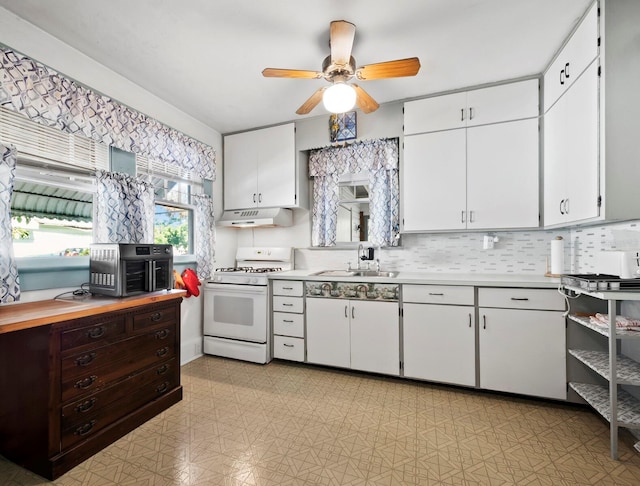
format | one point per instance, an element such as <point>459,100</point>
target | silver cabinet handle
<point>470,113</point>
<point>345,311</point>
<point>260,197</point>
<point>254,197</point>
<point>434,293</point>
<point>562,76</point>
<point>566,70</point>
<point>287,288</point>
<point>566,206</point>
<point>288,321</point>
<point>353,312</point>
<point>470,319</point>
<point>287,305</point>
<point>462,216</point>
<point>461,114</point>
<point>519,298</point>
<point>288,345</point>
<point>471,216</point>
<point>484,322</point>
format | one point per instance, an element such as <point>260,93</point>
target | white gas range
<point>236,305</point>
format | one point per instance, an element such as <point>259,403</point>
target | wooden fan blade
<point>311,103</point>
<point>341,34</point>
<point>389,69</point>
<point>290,73</point>
<point>364,101</point>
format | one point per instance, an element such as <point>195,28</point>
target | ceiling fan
<point>339,68</point>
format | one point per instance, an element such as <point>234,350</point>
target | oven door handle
<point>235,289</point>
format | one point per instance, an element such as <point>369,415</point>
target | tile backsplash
<point>517,252</point>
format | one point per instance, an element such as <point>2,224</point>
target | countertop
<point>479,280</point>
<point>24,315</point>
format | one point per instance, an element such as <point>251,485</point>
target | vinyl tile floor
<point>294,424</point>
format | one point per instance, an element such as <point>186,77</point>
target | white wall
<point>40,46</point>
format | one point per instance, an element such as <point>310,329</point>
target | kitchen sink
<point>355,273</point>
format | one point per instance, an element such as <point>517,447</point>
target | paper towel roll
<point>557,255</point>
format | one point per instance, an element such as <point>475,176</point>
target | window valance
<point>48,98</point>
<point>365,156</point>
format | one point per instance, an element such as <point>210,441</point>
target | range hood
<point>256,217</point>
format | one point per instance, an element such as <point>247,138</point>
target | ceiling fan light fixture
<point>339,98</point>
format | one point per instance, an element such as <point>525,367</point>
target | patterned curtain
<point>379,158</point>
<point>46,97</point>
<point>10,290</point>
<point>123,209</point>
<point>205,234</point>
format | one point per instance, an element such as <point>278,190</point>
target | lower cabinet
<point>522,342</point>
<point>354,334</point>
<point>440,343</point>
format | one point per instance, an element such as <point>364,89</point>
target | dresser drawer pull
<point>156,316</point>
<point>96,332</point>
<point>287,288</point>
<point>288,345</point>
<point>289,321</point>
<point>519,298</point>
<point>162,387</point>
<point>163,369</point>
<point>86,383</point>
<point>162,333</point>
<point>85,359</point>
<point>162,352</point>
<point>84,429</point>
<point>287,305</point>
<point>86,405</point>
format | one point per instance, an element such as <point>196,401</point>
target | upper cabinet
<point>261,169</point>
<point>591,164</point>
<point>477,169</point>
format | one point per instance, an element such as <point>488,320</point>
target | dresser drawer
<point>97,333</point>
<point>85,417</point>
<point>76,385</point>
<point>287,287</point>
<point>541,299</point>
<point>132,349</point>
<point>438,294</point>
<point>154,317</point>
<point>288,324</point>
<point>288,304</point>
<point>288,348</point>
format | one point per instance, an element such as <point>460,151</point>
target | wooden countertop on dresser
<point>16,316</point>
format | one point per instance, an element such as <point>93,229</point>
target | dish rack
<point>595,282</point>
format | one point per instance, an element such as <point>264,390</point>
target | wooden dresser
<point>78,378</point>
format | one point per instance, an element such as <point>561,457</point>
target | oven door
<point>236,312</point>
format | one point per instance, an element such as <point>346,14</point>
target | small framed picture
<point>342,126</point>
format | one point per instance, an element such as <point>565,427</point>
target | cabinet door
<point>439,343</point>
<point>375,337</point>
<point>555,189</point>
<point>240,171</point>
<point>434,181</point>
<point>435,113</point>
<point>277,166</point>
<point>513,101</point>
<point>581,153</point>
<point>523,351</point>
<point>503,155</point>
<point>328,340</point>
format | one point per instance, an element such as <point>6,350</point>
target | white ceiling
<point>206,56</point>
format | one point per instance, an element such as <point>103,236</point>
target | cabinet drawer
<point>438,294</point>
<point>85,417</point>
<point>288,324</point>
<point>542,299</point>
<point>131,349</point>
<point>76,385</point>
<point>286,287</point>
<point>288,304</point>
<point>99,332</point>
<point>288,348</point>
<point>154,317</point>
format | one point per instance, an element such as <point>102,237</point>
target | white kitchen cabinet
<point>522,343</point>
<point>288,319</point>
<point>591,123</point>
<point>482,106</point>
<point>439,343</point>
<point>328,333</point>
<point>260,169</point>
<point>354,334</point>
<point>375,337</point>
<point>483,177</point>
